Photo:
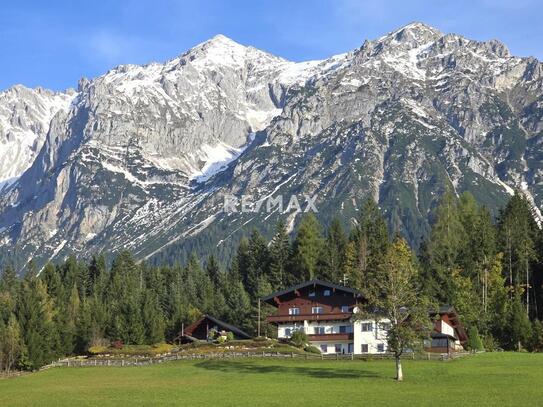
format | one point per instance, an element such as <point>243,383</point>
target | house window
<point>326,293</point>
<point>311,293</point>
<point>288,332</point>
<point>294,311</point>
<point>364,348</point>
<point>380,347</point>
<point>324,348</point>
<point>367,326</point>
<point>319,330</point>
<point>317,310</point>
<point>385,326</point>
<point>337,347</point>
<point>343,329</point>
<point>344,308</point>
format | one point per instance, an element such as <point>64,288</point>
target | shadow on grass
<point>253,368</point>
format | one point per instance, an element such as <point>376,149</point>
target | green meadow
<point>492,379</point>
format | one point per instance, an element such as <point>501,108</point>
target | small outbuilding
<point>448,335</point>
<point>202,330</point>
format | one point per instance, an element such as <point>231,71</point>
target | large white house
<point>324,311</point>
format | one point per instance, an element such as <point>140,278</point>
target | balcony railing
<point>331,337</point>
<point>309,317</point>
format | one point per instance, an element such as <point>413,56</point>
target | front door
<point>350,348</point>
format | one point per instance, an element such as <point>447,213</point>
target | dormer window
<point>317,310</point>
<point>326,293</point>
<point>345,309</point>
<point>312,293</point>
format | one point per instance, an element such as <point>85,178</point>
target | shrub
<point>118,344</point>
<point>159,348</point>
<point>490,344</point>
<point>229,336</point>
<point>299,339</point>
<point>312,349</point>
<point>260,339</point>
<point>95,350</point>
<point>474,340</point>
<point>221,339</point>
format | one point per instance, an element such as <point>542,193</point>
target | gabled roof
<point>457,325</point>
<point>314,282</point>
<point>224,325</point>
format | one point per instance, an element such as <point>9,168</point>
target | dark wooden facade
<point>199,330</point>
<point>337,302</point>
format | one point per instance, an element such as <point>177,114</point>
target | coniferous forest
<point>491,270</point>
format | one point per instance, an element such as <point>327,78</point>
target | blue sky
<point>54,43</point>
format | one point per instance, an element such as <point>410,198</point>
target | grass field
<point>494,379</point>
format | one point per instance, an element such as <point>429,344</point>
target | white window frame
<point>345,309</point>
<point>382,346</point>
<point>327,293</point>
<point>314,310</point>
<point>319,330</point>
<point>367,348</point>
<point>294,311</point>
<point>366,324</point>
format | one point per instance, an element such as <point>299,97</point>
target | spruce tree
<point>371,241</point>
<point>308,248</point>
<point>334,252</point>
<point>280,253</point>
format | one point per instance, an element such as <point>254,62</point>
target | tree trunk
<point>399,372</point>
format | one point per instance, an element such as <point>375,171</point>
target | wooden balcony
<point>309,317</point>
<point>331,337</point>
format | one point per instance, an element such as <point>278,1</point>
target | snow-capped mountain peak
<point>142,158</point>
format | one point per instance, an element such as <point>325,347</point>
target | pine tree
<point>308,248</point>
<point>334,252</point>
<point>153,320</point>
<point>35,313</point>
<point>371,241</point>
<point>444,248</point>
<point>97,275</point>
<point>518,235</point>
<point>258,264</point>
<point>213,271</point>
<point>280,253</point>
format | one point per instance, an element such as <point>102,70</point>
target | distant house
<point>448,335</point>
<point>201,329</point>
<point>324,312</point>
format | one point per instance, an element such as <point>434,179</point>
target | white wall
<point>372,339</point>
<point>331,346</point>
<point>446,328</point>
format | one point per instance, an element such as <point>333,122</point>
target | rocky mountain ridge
<point>144,156</point>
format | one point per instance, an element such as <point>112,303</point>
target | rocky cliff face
<point>145,154</point>
<point>25,115</point>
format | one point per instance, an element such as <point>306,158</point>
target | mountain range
<point>142,157</point>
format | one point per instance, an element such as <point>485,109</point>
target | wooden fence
<point>122,362</point>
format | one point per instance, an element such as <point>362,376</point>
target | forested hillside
<point>490,270</point>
